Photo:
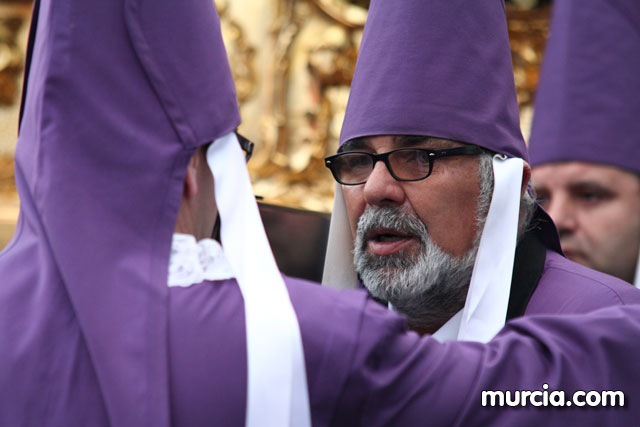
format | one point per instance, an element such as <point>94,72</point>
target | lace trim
<point>193,262</point>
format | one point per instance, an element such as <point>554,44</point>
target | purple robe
<point>544,282</point>
<point>568,287</point>
<point>120,94</point>
<point>364,369</point>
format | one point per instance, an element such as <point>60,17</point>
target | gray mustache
<point>392,218</point>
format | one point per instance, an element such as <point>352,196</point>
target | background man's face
<point>597,211</point>
<point>446,201</point>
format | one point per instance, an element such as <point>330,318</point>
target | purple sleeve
<point>399,379</point>
<point>365,369</point>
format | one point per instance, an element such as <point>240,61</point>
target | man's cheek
<point>355,208</point>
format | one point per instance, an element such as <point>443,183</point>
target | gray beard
<point>428,287</point>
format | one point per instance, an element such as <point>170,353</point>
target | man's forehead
<point>399,141</point>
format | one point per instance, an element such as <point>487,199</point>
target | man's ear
<point>191,178</point>
<point>526,176</point>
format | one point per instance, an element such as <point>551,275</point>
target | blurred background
<point>292,62</point>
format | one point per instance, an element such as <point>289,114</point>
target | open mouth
<point>385,241</point>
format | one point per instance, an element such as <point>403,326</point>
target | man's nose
<point>563,214</point>
<point>382,189</point>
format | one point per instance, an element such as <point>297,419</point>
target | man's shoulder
<point>306,295</point>
<point>314,302</point>
<point>341,331</point>
<point>568,287</point>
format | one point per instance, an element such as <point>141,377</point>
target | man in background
<point>585,143</point>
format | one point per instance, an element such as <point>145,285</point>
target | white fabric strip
<point>485,309</point>
<point>339,271</point>
<point>449,331</point>
<point>277,385</point>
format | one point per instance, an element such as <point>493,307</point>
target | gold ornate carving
<point>11,59</point>
<point>528,31</point>
<point>292,82</point>
<point>352,13</point>
<point>314,52</point>
<point>240,52</point>
<point>7,184</point>
<point>314,45</point>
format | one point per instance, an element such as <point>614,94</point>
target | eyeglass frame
<point>433,154</point>
<point>246,145</point>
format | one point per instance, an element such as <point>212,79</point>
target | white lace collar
<point>192,262</point>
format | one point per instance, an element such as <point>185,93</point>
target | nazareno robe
<point>363,368</point>
<point>544,282</point>
<point>119,96</point>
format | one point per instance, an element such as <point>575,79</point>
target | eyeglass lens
<point>354,168</point>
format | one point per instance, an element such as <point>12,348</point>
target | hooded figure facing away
<point>585,139</point>
<point>434,203</point>
<point>112,313</point>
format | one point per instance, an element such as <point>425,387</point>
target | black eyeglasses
<point>246,145</point>
<point>404,164</point>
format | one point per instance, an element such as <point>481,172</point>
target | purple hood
<point>587,105</point>
<point>120,94</point>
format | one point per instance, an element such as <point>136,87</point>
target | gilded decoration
<point>292,61</point>
<point>12,18</point>
<point>313,46</point>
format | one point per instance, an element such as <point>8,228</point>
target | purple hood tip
<point>437,68</point>
<point>587,105</point>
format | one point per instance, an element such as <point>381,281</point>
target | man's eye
<point>542,197</point>
<point>358,161</point>
<point>590,196</point>
<point>411,157</point>
<point>422,158</point>
<point>542,200</point>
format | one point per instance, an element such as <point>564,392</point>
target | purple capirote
<point>434,68</point>
<point>120,94</point>
<point>587,106</point>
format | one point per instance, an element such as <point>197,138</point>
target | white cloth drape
<point>277,385</point>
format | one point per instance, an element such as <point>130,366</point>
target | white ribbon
<point>277,392</point>
<point>485,309</point>
<point>449,331</point>
<point>339,271</point>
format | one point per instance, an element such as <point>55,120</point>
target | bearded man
<point>434,175</point>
